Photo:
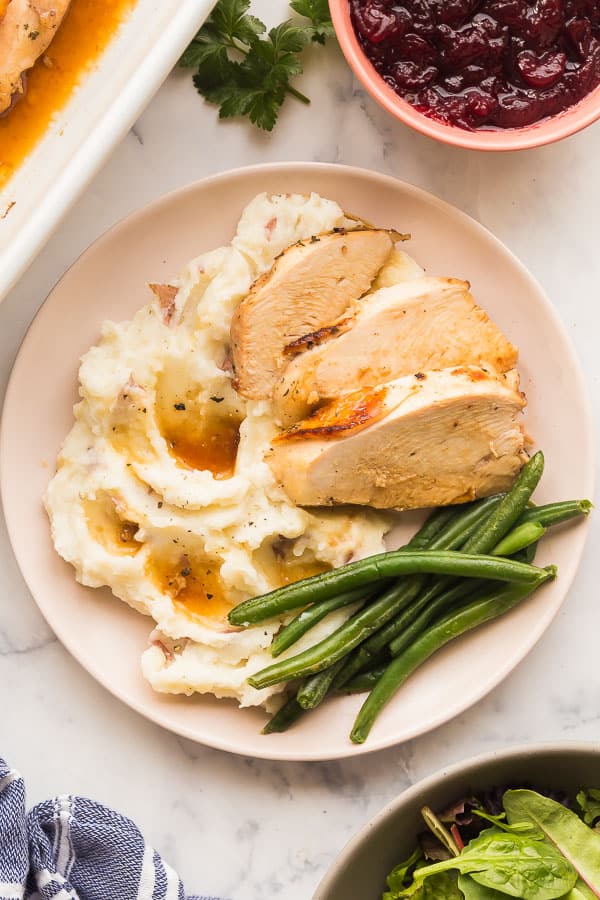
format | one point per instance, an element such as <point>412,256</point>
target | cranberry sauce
<point>490,63</point>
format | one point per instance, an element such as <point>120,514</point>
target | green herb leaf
<point>318,13</point>
<point>289,38</point>
<point>211,60</point>
<point>247,71</point>
<point>589,802</point>
<point>231,20</point>
<point>315,10</point>
<point>563,830</point>
<point>260,106</point>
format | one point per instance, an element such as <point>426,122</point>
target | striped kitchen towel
<point>71,848</point>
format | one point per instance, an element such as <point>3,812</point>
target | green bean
<point>429,612</point>
<point>315,689</point>
<point>468,518</point>
<point>433,525</point>
<point>527,555</point>
<point>472,615</point>
<point>519,538</point>
<point>556,513</point>
<point>436,526</point>
<point>373,569</point>
<point>406,627</point>
<point>510,509</point>
<point>364,681</point>
<point>365,571</point>
<point>350,634</point>
<point>419,615</point>
<point>372,649</point>
<point>312,615</point>
<point>450,538</point>
<point>497,514</point>
<point>357,629</point>
<point>289,713</point>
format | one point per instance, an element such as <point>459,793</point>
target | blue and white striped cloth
<point>71,848</point>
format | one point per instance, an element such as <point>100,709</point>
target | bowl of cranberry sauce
<point>485,74</point>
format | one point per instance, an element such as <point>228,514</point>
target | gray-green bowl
<point>360,871</point>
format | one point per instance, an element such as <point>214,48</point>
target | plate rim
<point>588,437</point>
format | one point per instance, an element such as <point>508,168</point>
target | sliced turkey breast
<point>425,440</point>
<point>26,31</point>
<point>426,323</point>
<point>310,285</point>
<point>400,266</point>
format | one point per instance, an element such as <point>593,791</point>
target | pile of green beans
<point>464,567</point>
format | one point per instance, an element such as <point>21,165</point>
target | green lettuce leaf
<point>589,801</point>
<point>512,864</point>
<point>562,829</point>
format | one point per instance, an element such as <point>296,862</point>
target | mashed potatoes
<point>162,491</point>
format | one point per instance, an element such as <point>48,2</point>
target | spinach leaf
<point>474,891</point>
<point>517,828</point>
<point>521,866</point>
<point>580,892</point>
<point>443,886</point>
<point>398,877</point>
<point>589,801</point>
<point>563,830</point>
<point>512,864</point>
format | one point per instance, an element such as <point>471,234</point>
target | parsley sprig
<point>245,69</point>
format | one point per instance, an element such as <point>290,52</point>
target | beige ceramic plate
<point>109,282</point>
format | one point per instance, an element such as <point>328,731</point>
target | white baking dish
<point>103,108</point>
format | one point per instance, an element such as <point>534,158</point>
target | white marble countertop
<point>244,829</point>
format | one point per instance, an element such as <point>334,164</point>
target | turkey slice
<point>26,31</point>
<point>429,439</point>
<point>425,323</point>
<point>310,285</point>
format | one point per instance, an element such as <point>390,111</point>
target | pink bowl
<point>545,132</point>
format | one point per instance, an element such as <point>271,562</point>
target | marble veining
<point>240,828</point>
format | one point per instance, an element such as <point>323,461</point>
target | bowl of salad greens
<point>521,823</point>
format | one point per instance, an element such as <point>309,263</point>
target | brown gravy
<point>84,34</point>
